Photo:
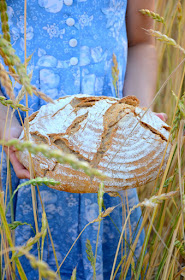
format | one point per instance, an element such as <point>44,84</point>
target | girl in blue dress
<point>72,43</point>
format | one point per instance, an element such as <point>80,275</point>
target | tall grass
<point>162,201</point>
<point>165,225</point>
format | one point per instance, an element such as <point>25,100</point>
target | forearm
<point>10,128</point>
<point>7,121</point>
<point>141,73</point>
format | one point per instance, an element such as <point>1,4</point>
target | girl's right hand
<point>162,116</point>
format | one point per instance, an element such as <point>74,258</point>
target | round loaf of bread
<point>113,135</point>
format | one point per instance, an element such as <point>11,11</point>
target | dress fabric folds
<point>72,44</point>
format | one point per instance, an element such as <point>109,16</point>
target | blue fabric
<point>60,69</point>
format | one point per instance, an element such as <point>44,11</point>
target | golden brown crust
<point>111,137</point>
<point>130,100</point>
<point>31,118</point>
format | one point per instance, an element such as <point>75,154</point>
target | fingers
<point>20,171</point>
<point>162,116</point>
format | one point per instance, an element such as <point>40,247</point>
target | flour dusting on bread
<point>116,136</point>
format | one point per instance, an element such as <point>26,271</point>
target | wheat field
<point>162,201</point>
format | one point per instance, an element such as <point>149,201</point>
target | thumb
<point>162,116</point>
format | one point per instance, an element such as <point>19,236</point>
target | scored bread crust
<point>116,136</point>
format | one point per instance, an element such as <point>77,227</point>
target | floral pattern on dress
<point>115,17</point>
<point>51,6</point>
<point>54,31</point>
<point>17,31</point>
<point>85,20</point>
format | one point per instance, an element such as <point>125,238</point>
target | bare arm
<point>10,120</point>
<point>11,129</point>
<point>142,62</point>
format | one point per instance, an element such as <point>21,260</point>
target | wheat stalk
<point>60,156</point>
<point>180,114</point>
<point>8,102</point>
<point>39,181</point>
<point>11,59</point>
<point>42,266</point>
<point>179,11</point>
<point>33,182</point>
<point>91,257</point>
<point>6,83</point>
<point>115,75</point>
<point>165,39</point>
<point>44,231</point>
<point>153,15</point>
<point>4,20</point>
<point>156,199</point>
<point>28,246</point>
<point>73,276</point>
<point>178,244</point>
<point>42,95</point>
<point>9,238</point>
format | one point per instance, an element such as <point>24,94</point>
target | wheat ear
<point>153,15</point>
<point>6,82</point>
<point>4,20</point>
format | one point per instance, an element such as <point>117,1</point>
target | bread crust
<point>116,136</point>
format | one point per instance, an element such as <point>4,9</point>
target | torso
<point>72,43</point>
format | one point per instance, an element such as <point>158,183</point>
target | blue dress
<point>72,43</point>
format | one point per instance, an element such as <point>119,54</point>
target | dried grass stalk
<point>6,82</point>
